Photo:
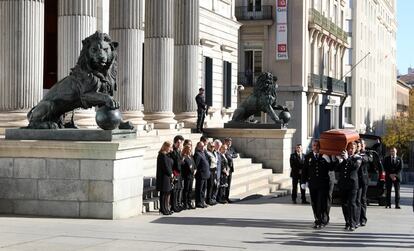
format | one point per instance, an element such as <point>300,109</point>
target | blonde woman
<point>211,182</point>
<point>164,176</point>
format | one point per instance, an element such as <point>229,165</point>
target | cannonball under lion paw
<point>107,118</point>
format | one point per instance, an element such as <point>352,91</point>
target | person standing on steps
<point>297,160</point>
<point>201,110</point>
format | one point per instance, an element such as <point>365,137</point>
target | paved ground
<point>258,224</point>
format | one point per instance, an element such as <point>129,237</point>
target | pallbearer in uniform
<point>363,180</point>
<point>348,167</point>
<point>297,160</point>
<point>315,173</point>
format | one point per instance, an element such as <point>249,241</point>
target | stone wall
<point>59,183</point>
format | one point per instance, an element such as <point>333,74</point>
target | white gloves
<point>344,155</point>
<point>326,157</point>
<point>304,185</point>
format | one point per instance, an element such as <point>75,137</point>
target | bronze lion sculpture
<point>92,82</point>
<point>262,99</point>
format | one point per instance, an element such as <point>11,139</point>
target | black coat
<point>230,155</point>
<point>202,166</point>
<point>188,167</point>
<point>348,172</point>
<point>296,164</point>
<point>201,102</point>
<point>316,171</point>
<point>393,168</point>
<point>164,171</point>
<point>363,176</point>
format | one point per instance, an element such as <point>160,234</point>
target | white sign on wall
<point>281,30</point>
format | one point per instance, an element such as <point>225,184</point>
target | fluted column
<point>126,28</point>
<point>21,59</point>
<point>76,21</point>
<point>158,63</point>
<point>186,39</point>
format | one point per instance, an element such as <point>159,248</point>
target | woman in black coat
<point>164,176</point>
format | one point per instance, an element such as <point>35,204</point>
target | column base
<point>136,118</point>
<point>161,120</point>
<point>13,119</point>
<point>189,119</point>
<point>84,118</point>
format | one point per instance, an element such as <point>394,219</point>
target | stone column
<point>158,63</point>
<point>126,28</point>
<point>76,21</point>
<point>186,39</point>
<point>21,59</point>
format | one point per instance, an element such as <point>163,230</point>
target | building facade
<point>305,51</point>
<point>168,49</point>
<point>373,37</point>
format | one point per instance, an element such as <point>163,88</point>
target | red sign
<point>281,48</point>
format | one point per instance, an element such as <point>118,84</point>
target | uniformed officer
<point>315,173</point>
<point>349,164</point>
<point>363,180</point>
<point>393,166</point>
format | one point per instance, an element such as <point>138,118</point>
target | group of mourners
<point>317,172</point>
<point>210,164</point>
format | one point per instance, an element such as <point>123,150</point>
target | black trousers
<point>361,202</point>
<point>329,197</point>
<point>188,188</point>
<point>388,184</point>
<point>201,115</point>
<point>164,207</point>
<point>295,183</point>
<point>349,207</point>
<point>211,187</point>
<point>318,201</point>
<point>176,195</point>
<point>227,192</point>
<point>200,190</point>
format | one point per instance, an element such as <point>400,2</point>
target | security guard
<point>393,167</point>
<point>348,167</point>
<point>315,173</point>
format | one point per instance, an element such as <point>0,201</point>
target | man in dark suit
<point>202,174</point>
<point>297,160</point>
<point>230,155</point>
<point>201,109</point>
<point>315,173</point>
<point>393,167</point>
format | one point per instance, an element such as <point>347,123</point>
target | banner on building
<point>281,30</point>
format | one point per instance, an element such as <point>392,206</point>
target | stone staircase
<point>248,178</point>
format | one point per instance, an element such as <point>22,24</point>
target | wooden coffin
<point>333,142</point>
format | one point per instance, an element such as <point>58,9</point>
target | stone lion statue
<point>92,82</point>
<point>262,99</point>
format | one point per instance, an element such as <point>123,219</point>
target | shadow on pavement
<point>339,239</point>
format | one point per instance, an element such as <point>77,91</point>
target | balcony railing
<point>315,17</point>
<point>254,13</point>
<point>328,84</point>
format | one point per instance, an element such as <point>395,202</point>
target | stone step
<point>281,193</point>
<point>150,205</point>
<point>246,186</point>
<point>261,190</point>
<point>250,176</point>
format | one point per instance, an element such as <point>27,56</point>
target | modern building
<point>403,97</point>
<point>303,44</point>
<point>168,49</point>
<point>373,37</point>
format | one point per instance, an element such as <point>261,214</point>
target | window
<point>348,115</point>
<point>250,5</point>
<point>258,5</point>
<point>208,80</point>
<point>252,65</point>
<point>226,84</point>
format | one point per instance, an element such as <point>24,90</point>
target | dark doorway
<point>208,78</point>
<point>51,42</point>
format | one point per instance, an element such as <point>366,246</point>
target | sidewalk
<point>265,223</point>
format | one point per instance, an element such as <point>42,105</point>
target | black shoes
<point>305,202</point>
<point>294,201</point>
<point>388,206</point>
<point>397,207</point>
<point>363,224</point>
